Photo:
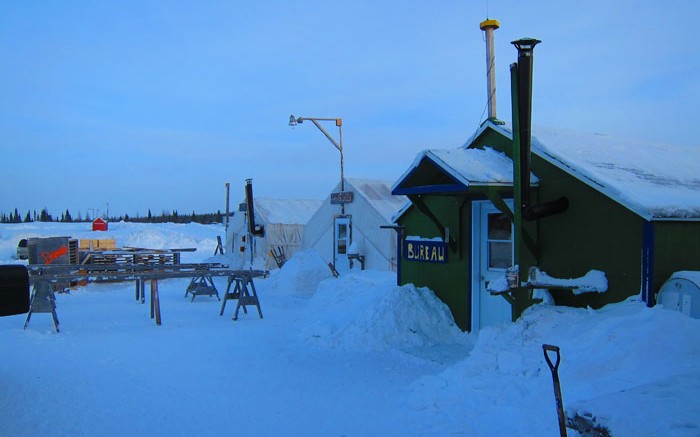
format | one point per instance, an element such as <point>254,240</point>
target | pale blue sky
<point>144,104</point>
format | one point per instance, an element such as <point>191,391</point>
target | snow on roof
<point>378,194</point>
<point>475,166</point>
<point>400,212</point>
<point>286,211</point>
<point>656,181</point>
<point>469,166</point>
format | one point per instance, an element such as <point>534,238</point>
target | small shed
<point>99,224</point>
<point>355,237</point>
<point>633,213</point>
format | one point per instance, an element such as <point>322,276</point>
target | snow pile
<point>498,284</point>
<point>175,236</point>
<point>301,274</point>
<point>618,364</point>
<point>367,311</point>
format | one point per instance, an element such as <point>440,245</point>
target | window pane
<point>342,246</point>
<point>342,231</point>
<point>499,227</point>
<point>500,255</point>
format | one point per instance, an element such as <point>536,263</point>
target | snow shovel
<point>547,348</point>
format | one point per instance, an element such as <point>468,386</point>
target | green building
<point>633,219</point>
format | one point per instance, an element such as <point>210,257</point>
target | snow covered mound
<point>301,274</point>
<point>613,360</point>
<point>175,236</point>
<point>367,311</point>
<point>126,234</point>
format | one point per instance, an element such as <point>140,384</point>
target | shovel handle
<point>547,348</point>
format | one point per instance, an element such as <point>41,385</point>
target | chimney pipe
<point>525,47</point>
<point>489,26</point>
<point>253,228</point>
<point>523,72</point>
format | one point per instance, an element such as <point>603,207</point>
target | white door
<point>341,243</point>
<point>492,254</point>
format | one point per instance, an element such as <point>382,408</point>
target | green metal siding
<point>594,233</point>
<point>449,281</point>
<point>494,140</point>
<point>677,247</point>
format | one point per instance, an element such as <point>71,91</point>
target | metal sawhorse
<point>43,301</point>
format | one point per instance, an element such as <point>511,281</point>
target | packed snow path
<point>350,356</point>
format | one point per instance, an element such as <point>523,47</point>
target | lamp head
<point>293,121</point>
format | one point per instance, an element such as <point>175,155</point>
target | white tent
<point>283,221</point>
<point>334,235</point>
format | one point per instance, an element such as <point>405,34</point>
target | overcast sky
<point>143,104</point>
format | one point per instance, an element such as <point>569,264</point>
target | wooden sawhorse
<point>244,294</point>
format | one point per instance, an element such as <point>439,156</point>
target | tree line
<point>67,217</point>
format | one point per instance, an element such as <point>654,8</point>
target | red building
<point>99,225</point>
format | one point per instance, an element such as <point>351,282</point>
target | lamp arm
<point>337,146</point>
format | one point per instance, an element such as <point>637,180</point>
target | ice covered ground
<point>352,356</point>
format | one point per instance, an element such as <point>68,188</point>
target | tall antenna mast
<point>489,26</point>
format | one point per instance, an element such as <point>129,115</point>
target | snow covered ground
<point>352,356</point>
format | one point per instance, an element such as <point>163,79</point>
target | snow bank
<point>172,237</point>
<point>301,274</point>
<point>363,311</point>
<point>612,360</point>
<point>367,311</point>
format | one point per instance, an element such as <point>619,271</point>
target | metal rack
<point>43,277</point>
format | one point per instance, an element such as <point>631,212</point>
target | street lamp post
<point>293,121</point>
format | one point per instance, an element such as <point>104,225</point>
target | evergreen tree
<point>45,216</point>
<point>68,217</point>
<point>28,217</point>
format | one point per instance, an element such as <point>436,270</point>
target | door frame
<point>336,220</point>
<point>477,256</point>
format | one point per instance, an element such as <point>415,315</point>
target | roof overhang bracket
<point>444,232</point>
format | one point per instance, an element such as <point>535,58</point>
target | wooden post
<point>155,299</point>
<point>152,301</point>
